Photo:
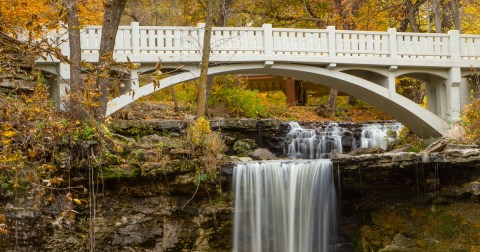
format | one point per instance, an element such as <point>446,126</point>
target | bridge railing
<point>268,41</point>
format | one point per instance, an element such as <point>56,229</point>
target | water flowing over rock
<point>312,144</point>
<point>380,135</point>
<point>320,142</point>
<point>284,206</point>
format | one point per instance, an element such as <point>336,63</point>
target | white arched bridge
<point>364,64</point>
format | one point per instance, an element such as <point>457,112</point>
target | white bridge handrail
<point>184,43</point>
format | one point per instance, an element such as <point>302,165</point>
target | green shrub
<point>205,145</point>
<point>230,93</point>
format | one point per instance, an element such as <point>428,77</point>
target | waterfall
<point>380,135</point>
<point>284,206</point>
<point>312,144</point>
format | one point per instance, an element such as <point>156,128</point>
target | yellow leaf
<point>9,133</point>
<point>7,126</point>
<point>32,153</point>
<point>77,201</point>
<point>6,141</point>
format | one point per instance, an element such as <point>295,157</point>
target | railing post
<point>392,34</point>
<point>201,34</point>
<point>135,38</point>
<point>267,39</point>
<point>454,44</point>
<point>331,41</point>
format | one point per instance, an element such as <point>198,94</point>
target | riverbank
<point>153,199</point>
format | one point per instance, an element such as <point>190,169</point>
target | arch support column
<point>452,88</point>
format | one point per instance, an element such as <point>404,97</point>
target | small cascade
<point>284,206</point>
<point>380,135</point>
<point>313,144</point>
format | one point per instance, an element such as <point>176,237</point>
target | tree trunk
<point>202,85</point>
<point>411,10</point>
<point>352,100</point>
<point>438,16</point>
<point>175,100</point>
<point>332,98</point>
<point>225,6</point>
<point>455,4</point>
<point>411,17</point>
<point>111,20</point>
<point>429,25</point>
<point>332,101</point>
<point>76,60</point>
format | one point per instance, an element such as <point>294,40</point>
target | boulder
<point>400,243</point>
<point>244,147</point>
<point>457,133</point>
<point>436,146</point>
<point>263,154</point>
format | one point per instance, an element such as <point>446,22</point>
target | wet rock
<point>473,187</point>
<point>361,151</point>
<point>336,155</point>
<point>263,154</point>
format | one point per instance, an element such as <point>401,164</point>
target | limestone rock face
<point>244,147</point>
<point>436,146</point>
<point>399,243</point>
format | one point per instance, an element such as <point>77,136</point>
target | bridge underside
<point>421,121</point>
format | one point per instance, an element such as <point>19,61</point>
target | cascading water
<point>284,206</point>
<point>312,144</point>
<point>290,206</point>
<point>380,135</point>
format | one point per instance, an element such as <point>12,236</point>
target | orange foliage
<point>90,12</point>
<point>34,16</point>
<point>471,121</point>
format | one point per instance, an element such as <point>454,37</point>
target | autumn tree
<point>111,20</point>
<point>202,85</point>
<point>75,56</point>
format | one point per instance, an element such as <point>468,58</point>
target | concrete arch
<point>378,71</point>
<point>416,118</point>
<point>421,75</point>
